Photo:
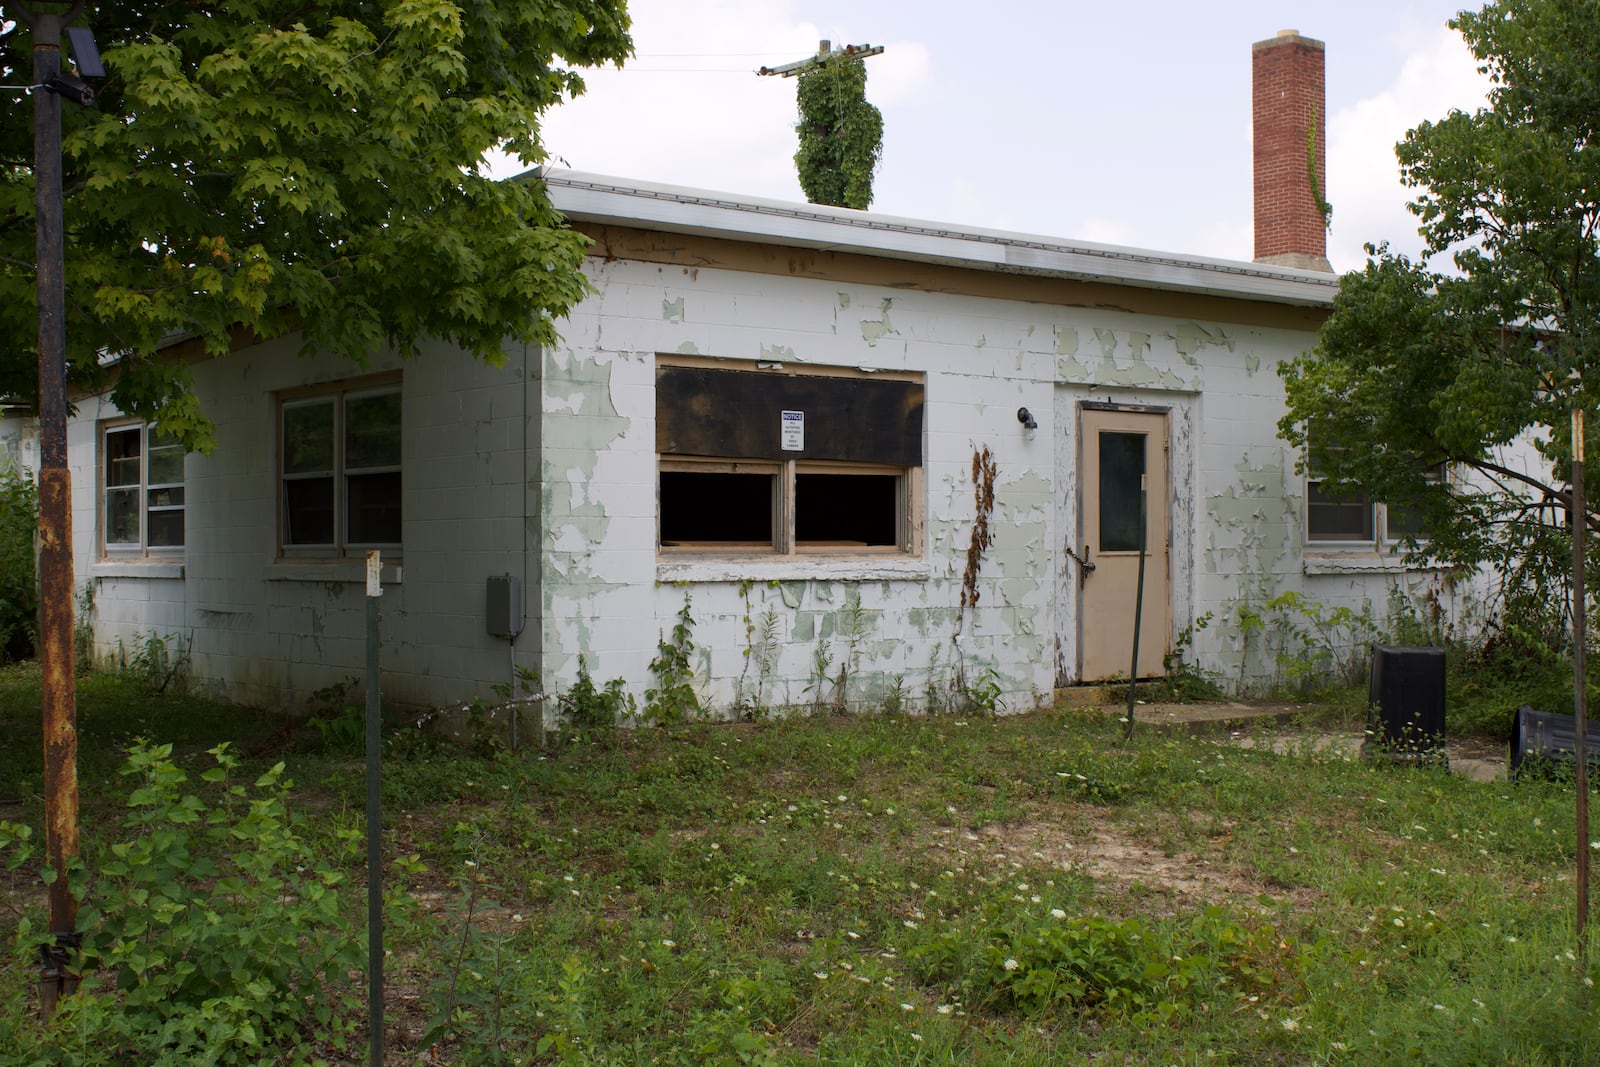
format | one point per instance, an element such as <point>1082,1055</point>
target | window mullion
<point>144,488</point>
<point>784,527</point>
<point>341,486</point>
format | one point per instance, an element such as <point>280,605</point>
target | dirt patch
<point>1092,845</point>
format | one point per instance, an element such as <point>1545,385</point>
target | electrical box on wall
<point>504,605</point>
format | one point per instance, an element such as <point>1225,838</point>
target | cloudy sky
<point>1126,123</point>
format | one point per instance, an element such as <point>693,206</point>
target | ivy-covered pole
<point>841,134</point>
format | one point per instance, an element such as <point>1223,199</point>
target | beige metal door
<point>1117,448</point>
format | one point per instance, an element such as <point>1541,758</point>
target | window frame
<point>1383,539</point>
<point>337,394</point>
<point>909,504</point>
<point>142,490</point>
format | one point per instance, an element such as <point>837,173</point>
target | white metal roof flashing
<point>674,209</point>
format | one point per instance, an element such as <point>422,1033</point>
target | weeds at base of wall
<point>591,713</point>
<point>983,696</point>
<point>1184,682</point>
<point>1313,648</point>
<point>488,729</point>
<point>761,651</point>
<point>672,701</point>
<point>341,725</point>
<point>157,661</point>
<point>894,699</point>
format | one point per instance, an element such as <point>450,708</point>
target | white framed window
<point>1354,519</point>
<point>763,461</point>
<point>339,469</point>
<point>142,492</point>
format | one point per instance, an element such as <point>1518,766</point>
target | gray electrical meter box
<point>504,605</point>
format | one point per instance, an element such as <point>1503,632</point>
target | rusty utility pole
<point>1580,685</point>
<point>59,687</point>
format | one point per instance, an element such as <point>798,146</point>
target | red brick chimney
<point>1289,95</point>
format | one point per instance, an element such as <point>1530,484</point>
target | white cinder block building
<point>872,455</point>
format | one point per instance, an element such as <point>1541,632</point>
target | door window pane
<point>1122,467</point>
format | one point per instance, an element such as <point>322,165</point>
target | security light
<point>75,89</point>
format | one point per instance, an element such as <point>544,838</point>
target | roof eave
<point>672,209</point>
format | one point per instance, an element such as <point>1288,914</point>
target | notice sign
<point>792,431</point>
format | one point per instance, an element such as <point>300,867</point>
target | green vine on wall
<point>1324,208</point>
<point>984,472</point>
<point>841,134</point>
<point>983,476</point>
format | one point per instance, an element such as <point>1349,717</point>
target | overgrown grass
<point>893,890</point>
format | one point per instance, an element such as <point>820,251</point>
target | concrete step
<point>1085,696</point>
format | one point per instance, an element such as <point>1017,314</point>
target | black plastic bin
<point>1543,741</point>
<point>1405,704</point>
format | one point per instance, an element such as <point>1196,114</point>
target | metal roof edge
<point>603,199</point>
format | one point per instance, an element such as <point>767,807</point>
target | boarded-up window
<point>757,461</point>
<point>739,413</point>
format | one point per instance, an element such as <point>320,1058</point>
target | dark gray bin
<point>1405,704</point>
<point>1543,741</point>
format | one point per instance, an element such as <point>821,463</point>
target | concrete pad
<point>1262,726</point>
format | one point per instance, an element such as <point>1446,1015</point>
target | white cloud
<point>902,75</point>
<point>1363,175</point>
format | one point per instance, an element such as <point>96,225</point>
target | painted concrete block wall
<point>546,469</point>
<point>1237,502</point>
<point>19,442</point>
<point>886,622</point>
<point>274,631</point>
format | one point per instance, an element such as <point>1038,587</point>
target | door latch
<point>1084,565</point>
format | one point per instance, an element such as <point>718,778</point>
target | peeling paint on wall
<point>1252,523</point>
<point>578,397</point>
<point>873,330</point>
<point>1107,340</point>
<point>672,310</point>
<point>19,443</point>
<point>1191,337</point>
